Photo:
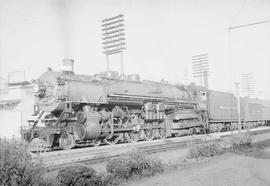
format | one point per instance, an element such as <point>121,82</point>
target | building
<point>16,107</point>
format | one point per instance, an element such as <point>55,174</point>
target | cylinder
<point>90,128</point>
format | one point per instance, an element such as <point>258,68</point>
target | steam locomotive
<point>80,110</point>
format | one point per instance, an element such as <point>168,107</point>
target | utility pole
<point>205,81</point>
<point>248,86</point>
<point>238,107</point>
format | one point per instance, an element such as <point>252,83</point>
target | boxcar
<point>222,106</point>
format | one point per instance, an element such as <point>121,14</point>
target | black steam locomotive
<point>80,110</point>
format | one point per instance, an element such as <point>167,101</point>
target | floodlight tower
<point>113,32</point>
<point>200,68</point>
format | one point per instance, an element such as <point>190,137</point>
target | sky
<point>161,36</point>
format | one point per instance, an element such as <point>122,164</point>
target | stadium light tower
<point>113,32</point>
<point>200,68</point>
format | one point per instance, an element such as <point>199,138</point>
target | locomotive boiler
<point>78,110</point>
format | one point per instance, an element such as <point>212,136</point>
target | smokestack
<point>67,66</point>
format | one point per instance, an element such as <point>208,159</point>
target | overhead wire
<point>236,15</point>
<point>250,24</point>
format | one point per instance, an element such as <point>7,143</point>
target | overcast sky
<point>161,37</point>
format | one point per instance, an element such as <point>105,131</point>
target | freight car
<point>79,110</point>
<point>223,114</point>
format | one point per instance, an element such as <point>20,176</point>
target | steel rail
<point>91,155</point>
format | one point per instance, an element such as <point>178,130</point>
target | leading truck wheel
<point>38,145</point>
<point>66,141</point>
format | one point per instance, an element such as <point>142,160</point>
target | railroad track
<point>91,155</point>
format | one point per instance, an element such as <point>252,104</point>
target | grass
<point>239,141</point>
<point>17,167</point>
<point>206,150</point>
